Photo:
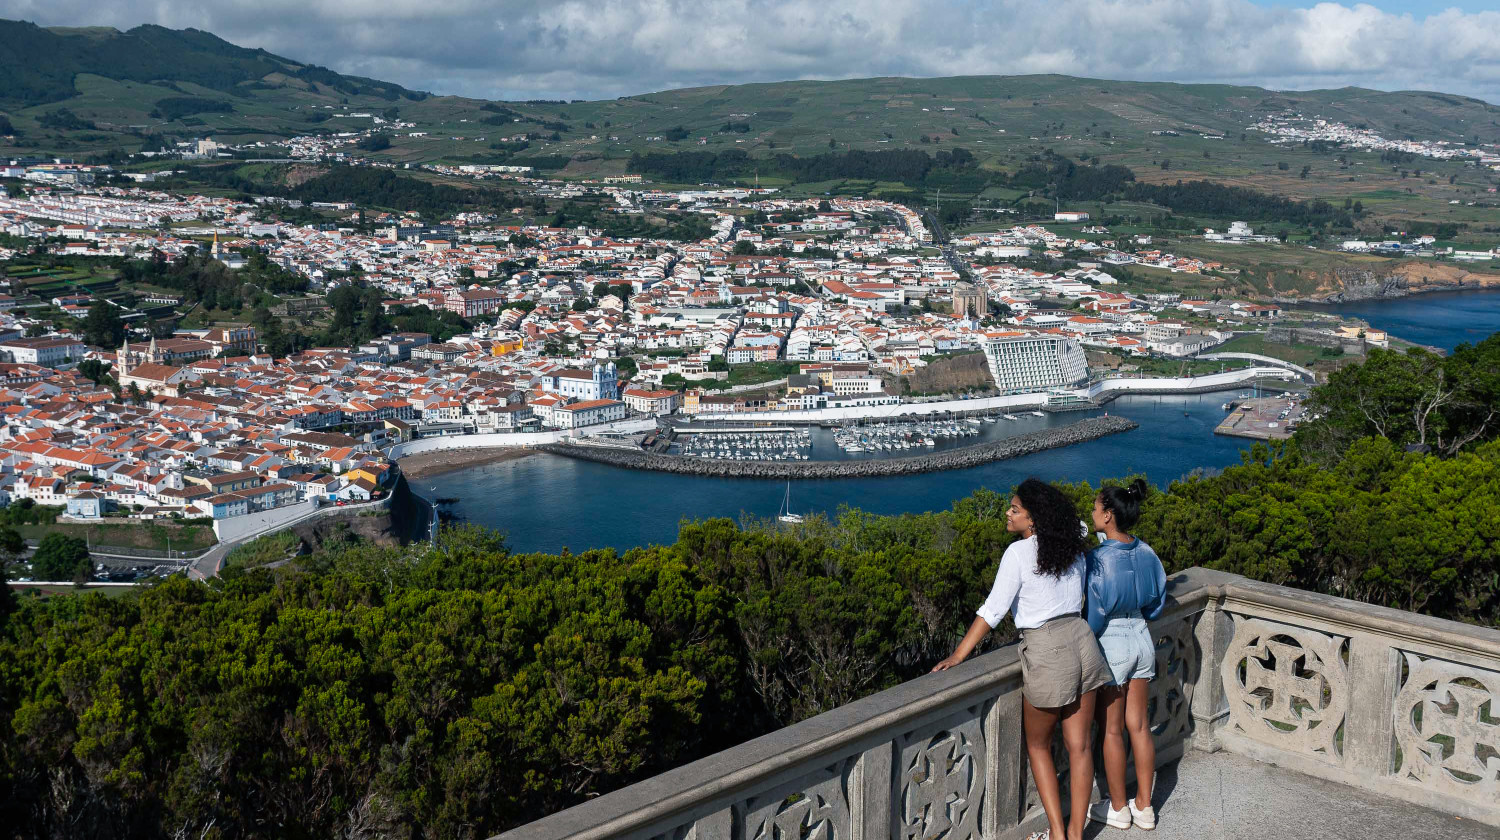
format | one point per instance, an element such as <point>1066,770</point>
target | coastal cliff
<point>1346,285</point>
<point>953,459</point>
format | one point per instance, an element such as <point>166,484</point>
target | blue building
<point>89,505</point>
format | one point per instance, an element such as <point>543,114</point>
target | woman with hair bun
<point>1127,587</point>
<point>1041,580</point>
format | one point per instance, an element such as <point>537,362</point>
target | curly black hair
<point>1059,536</point>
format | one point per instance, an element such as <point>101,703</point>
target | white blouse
<point>1031,595</point>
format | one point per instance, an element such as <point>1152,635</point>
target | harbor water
<point>547,502</point>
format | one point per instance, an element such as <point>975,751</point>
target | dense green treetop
<point>457,689</point>
<point>60,557</point>
<point>1414,398</point>
<point>103,327</point>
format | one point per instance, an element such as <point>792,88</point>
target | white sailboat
<point>786,514</point>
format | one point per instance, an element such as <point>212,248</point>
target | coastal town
<point>841,305</point>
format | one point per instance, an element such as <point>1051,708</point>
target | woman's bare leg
<point>1138,724</point>
<point>1039,725</point>
<point>1077,720</point>
<point>1110,713</point>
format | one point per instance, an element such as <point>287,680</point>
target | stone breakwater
<point>953,459</point>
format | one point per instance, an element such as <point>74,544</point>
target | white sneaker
<point>1103,811</point>
<point>1145,818</point>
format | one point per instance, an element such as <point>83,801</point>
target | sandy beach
<point>428,464</point>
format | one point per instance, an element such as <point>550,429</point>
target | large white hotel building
<point>1028,362</point>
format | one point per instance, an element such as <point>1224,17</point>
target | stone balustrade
<point>1387,701</point>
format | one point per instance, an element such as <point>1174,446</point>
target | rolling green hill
<point>115,79</point>
<point>94,88</point>
<point>100,92</point>
<point>39,66</point>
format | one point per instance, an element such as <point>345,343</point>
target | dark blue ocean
<point>1441,319</point>
<point>546,503</point>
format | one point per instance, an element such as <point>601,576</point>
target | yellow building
<point>373,475</point>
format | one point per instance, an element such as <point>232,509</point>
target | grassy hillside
<point>38,66</point>
<point>98,91</point>
<point>92,89</point>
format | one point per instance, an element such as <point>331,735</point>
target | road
<point>959,264</point>
<point>939,234</point>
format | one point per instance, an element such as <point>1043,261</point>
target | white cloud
<point>522,49</point>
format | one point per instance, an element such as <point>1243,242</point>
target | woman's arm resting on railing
<point>977,631</point>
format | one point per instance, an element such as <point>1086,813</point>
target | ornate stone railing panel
<point>1179,662</point>
<point>940,783</point>
<point>1287,686</point>
<point>815,807</point>
<point>1401,704</point>
<point>1447,721</point>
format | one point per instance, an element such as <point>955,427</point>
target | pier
<point>952,459</point>
<point>1262,418</point>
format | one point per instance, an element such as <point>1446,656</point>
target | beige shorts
<point>1061,661</point>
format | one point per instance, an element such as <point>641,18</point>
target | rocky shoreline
<point>953,459</point>
<point>1356,285</point>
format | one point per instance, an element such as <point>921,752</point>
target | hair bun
<point>1138,489</point>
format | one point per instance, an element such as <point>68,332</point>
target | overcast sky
<point>577,49</point>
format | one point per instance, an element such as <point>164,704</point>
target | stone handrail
<point>1391,702</point>
<point>945,749</point>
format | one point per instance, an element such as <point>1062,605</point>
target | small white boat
<point>786,514</point>
<point>1038,414</point>
<point>1011,417</point>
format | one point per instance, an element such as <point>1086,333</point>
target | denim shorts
<point>1126,642</point>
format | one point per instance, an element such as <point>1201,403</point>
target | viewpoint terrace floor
<point>1207,796</point>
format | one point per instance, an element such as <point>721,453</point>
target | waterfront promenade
<point>512,440</point>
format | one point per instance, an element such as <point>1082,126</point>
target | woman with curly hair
<point>1040,580</point>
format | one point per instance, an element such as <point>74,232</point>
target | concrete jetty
<point>952,459</point>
